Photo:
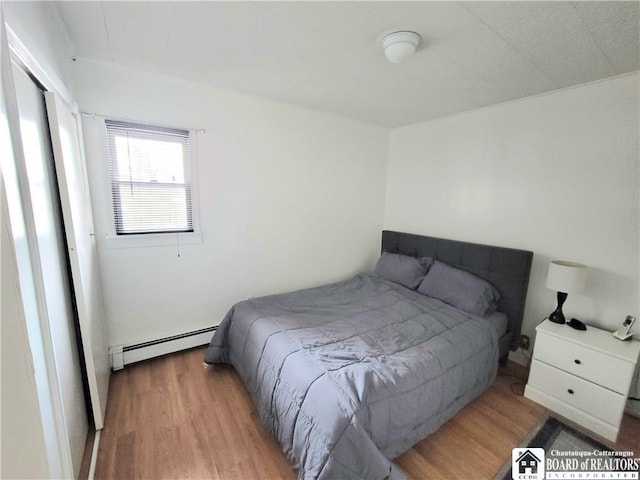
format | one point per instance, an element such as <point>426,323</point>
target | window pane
<point>152,208</point>
<point>149,160</point>
<point>150,170</point>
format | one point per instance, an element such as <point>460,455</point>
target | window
<point>150,172</point>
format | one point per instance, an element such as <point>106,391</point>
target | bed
<point>350,375</point>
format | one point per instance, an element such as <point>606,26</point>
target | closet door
<point>52,257</point>
<point>76,211</point>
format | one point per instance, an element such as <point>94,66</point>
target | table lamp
<point>565,277</point>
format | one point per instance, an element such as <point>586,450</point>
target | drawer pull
<point>570,391</point>
<point>577,362</point>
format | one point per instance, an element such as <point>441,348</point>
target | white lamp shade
<point>399,46</point>
<point>567,277</point>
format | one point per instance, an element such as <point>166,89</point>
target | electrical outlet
<point>524,342</point>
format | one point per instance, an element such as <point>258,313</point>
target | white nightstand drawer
<point>597,367</point>
<point>586,396</point>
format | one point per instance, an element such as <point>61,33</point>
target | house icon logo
<point>527,464</point>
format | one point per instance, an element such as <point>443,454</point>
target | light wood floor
<point>172,418</point>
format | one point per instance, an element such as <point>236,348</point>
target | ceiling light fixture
<point>399,46</point>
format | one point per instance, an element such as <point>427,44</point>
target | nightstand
<point>584,376</point>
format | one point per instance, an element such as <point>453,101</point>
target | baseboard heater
<point>122,355</point>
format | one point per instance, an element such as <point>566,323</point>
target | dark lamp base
<point>557,316</point>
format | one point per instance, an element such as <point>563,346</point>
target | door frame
<point>40,339</point>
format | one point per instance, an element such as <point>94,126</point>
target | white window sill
<point>153,240</point>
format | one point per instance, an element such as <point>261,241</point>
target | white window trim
<point>154,239</point>
<point>113,240</point>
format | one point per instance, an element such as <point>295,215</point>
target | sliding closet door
<point>54,263</point>
<point>76,211</point>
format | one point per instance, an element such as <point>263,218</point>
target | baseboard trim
<point>137,352</point>
<point>158,341</point>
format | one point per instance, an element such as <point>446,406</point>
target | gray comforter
<point>352,374</point>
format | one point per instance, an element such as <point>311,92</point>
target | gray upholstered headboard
<point>506,268</point>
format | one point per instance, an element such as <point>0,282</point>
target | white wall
<point>556,174</point>
<point>289,198</point>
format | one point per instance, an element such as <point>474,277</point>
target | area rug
<point>553,434</point>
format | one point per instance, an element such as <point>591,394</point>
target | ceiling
<point>328,56</point>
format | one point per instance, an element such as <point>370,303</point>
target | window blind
<point>150,172</point>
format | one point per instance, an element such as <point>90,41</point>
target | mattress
<point>350,375</point>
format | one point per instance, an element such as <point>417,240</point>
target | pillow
<point>461,289</point>
<point>403,269</point>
